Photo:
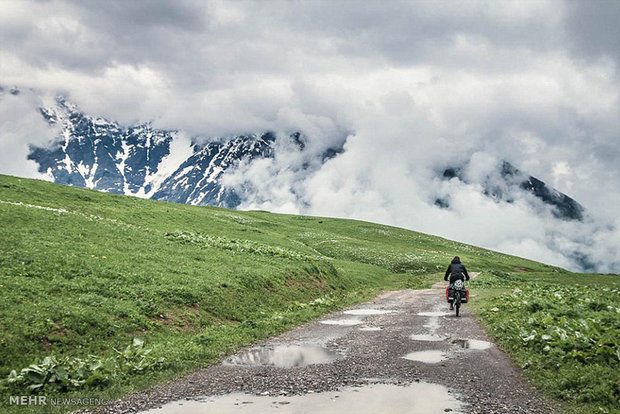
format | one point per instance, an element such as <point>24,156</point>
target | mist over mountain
<point>144,161</point>
<point>508,179</point>
<point>101,155</point>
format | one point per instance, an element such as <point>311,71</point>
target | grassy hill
<point>83,273</point>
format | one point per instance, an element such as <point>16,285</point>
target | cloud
<point>415,86</point>
<point>592,29</point>
<point>21,124</point>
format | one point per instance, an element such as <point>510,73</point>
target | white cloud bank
<point>21,125</point>
<point>416,86</point>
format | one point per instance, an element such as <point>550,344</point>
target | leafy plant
<point>568,345</point>
<point>66,373</point>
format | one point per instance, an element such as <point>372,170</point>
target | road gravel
<point>470,368</point>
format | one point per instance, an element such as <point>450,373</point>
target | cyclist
<point>456,270</point>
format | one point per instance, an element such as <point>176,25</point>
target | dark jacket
<point>456,271</point>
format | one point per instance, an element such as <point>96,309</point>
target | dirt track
<point>470,375</point>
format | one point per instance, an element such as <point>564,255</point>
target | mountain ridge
<point>562,206</point>
<point>99,154</point>
<point>96,153</point>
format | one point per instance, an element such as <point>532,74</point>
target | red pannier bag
<point>448,294</point>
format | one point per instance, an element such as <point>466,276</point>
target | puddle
<point>343,322</point>
<point>415,398</point>
<point>367,312</point>
<point>472,344</point>
<point>427,337</point>
<point>430,357</point>
<point>479,345</point>
<point>433,324</point>
<point>434,313</point>
<point>370,329</point>
<point>284,356</point>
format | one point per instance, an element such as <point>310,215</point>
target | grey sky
<point>417,85</point>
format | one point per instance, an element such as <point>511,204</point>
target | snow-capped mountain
<point>99,154</point>
<point>506,180</point>
<point>197,180</point>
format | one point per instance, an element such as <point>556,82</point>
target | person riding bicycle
<point>456,271</point>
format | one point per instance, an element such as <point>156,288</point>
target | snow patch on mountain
<point>179,151</point>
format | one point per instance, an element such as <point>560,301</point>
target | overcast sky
<point>414,87</point>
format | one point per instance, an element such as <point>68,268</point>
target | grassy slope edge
<point>83,273</point>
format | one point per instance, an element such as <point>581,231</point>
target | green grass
<point>564,332</point>
<point>83,273</point>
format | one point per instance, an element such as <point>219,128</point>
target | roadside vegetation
<point>564,332</point>
<point>102,294</point>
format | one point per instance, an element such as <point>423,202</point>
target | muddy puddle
<point>415,398</point>
<point>365,312</point>
<point>342,322</point>
<point>284,356</point>
<point>429,357</point>
<point>427,338</point>
<point>472,344</point>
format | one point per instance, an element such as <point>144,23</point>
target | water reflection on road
<point>376,398</point>
<point>284,356</point>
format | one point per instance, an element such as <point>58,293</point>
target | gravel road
<point>405,349</point>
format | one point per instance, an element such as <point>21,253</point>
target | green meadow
<point>102,294</point>
<point>563,332</point>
